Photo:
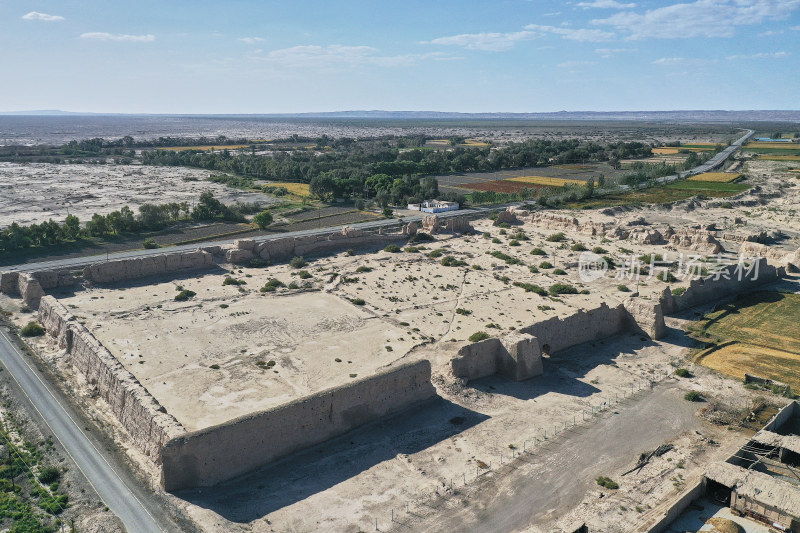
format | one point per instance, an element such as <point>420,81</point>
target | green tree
<point>72,228</point>
<point>263,219</point>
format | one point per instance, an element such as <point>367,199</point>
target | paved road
<point>94,462</point>
<point>76,262</point>
<point>558,476</point>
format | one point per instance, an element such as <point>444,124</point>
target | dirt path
<point>558,475</point>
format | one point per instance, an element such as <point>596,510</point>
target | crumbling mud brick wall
<point>557,333</point>
<point>515,356</point>
<point>146,421</point>
<point>711,288</point>
<point>141,267</point>
<point>208,456</point>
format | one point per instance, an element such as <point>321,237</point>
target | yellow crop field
<point>475,142</point>
<point>544,180</point>
<point>719,177</point>
<point>771,157</point>
<point>297,189</point>
<point>737,359</point>
<point>204,148</point>
<point>779,146</point>
<point>666,150</point>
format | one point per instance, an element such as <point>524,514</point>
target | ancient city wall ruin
<point>142,416</point>
<point>712,288</point>
<point>557,333</point>
<point>209,456</point>
<point>516,356</point>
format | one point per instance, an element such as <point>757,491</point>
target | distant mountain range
<point>677,116</point>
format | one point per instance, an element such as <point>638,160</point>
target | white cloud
<point>492,42</point>
<point>760,55</point>
<point>685,61</point>
<point>795,28</point>
<point>702,18</point>
<point>337,56</point>
<point>605,53</point>
<point>770,32</point>
<point>251,40</point>
<point>35,15</point>
<point>573,34</point>
<point>605,4</point>
<point>102,36</point>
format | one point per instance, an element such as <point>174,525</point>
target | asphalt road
<point>94,462</point>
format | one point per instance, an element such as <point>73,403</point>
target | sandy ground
<point>35,192</point>
<point>269,349</point>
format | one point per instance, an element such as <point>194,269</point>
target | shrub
<point>495,240</point>
<point>666,276</point>
<point>49,474</point>
<point>387,212</point>
<point>538,251</point>
<point>32,329</point>
<point>683,373</point>
<point>478,336</point>
<point>559,272</point>
<point>436,253</point>
<point>464,312</point>
<point>530,287</point>
<point>150,244</point>
<point>184,295</point>
<point>450,261</point>
<point>599,250</point>
<point>562,288</point>
<point>411,249</point>
<point>257,262</point>
<point>357,301</point>
<point>420,237</point>
<point>304,274</point>
<point>545,264</point>
<point>556,237</point>
<point>392,248</point>
<point>293,285</point>
<point>272,284</point>
<point>298,261</point>
<point>534,269</point>
<point>693,396</point>
<point>362,268</point>
<point>505,257</point>
<point>350,252</point>
<point>214,366</point>
<point>607,483</point>
<point>504,225</point>
<point>503,232</point>
<point>623,288</point>
<point>514,242</point>
<point>578,247</point>
<point>233,281</point>
<point>677,291</point>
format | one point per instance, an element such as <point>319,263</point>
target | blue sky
<point>469,56</point>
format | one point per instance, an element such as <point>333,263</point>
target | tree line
<point>150,217</point>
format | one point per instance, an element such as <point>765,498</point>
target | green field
<point>773,151</point>
<point>709,186</point>
<point>662,194</point>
